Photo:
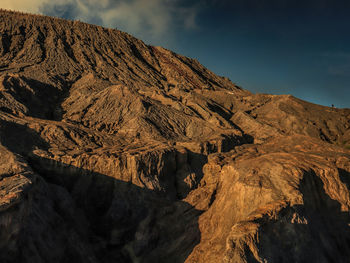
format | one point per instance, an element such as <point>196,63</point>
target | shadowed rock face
<point>115,151</point>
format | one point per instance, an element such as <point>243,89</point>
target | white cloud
<point>147,19</point>
<point>138,15</point>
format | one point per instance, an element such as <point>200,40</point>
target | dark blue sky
<point>267,46</point>
<point>281,47</point>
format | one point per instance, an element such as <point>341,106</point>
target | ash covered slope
<point>108,139</point>
<point>91,68</point>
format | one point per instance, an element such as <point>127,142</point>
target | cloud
<point>337,55</point>
<point>147,19</point>
<point>338,63</point>
<point>22,5</point>
<point>339,70</point>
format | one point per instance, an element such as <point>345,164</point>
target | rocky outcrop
<point>282,201</point>
<point>38,221</point>
<point>115,151</point>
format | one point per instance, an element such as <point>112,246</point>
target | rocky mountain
<point>112,150</point>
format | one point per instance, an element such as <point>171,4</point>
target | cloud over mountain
<point>148,19</point>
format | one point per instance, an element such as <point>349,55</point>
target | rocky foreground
<point>115,151</point>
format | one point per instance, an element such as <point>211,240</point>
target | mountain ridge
<point>113,150</point>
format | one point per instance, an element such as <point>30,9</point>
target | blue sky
<point>266,46</point>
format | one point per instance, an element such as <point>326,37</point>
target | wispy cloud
<point>339,70</point>
<point>338,63</point>
<point>337,55</point>
<point>147,19</point>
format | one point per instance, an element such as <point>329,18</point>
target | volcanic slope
<point>112,150</point>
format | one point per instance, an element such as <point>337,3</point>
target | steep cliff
<point>115,151</point>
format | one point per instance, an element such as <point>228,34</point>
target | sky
<point>265,46</point>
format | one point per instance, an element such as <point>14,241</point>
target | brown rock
<point>282,201</point>
<point>115,151</point>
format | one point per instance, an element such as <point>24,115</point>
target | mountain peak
<point>112,150</point>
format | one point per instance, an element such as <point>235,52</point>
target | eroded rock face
<point>115,151</point>
<point>282,201</point>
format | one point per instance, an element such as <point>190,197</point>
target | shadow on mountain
<point>124,222</point>
<point>317,231</point>
<point>344,177</point>
<point>19,138</point>
<point>197,161</point>
<point>41,100</point>
<point>48,95</point>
